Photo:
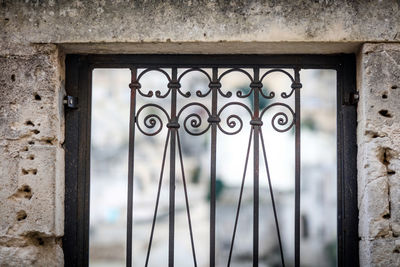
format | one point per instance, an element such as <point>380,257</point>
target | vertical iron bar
<point>173,127</point>
<point>132,119</point>
<point>213,163</point>
<point>256,126</point>
<point>297,169</point>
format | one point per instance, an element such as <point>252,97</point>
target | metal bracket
<point>71,102</point>
<point>351,99</point>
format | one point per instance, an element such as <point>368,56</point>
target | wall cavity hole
<point>385,113</point>
<point>35,131</point>
<point>25,191</point>
<point>394,87</point>
<point>29,123</point>
<point>386,157</point>
<point>21,215</point>
<point>386,216</point>
<point>31,142</point>
<point>29,171</point>
<point>391,172</point>
<point>25,148</point>
<point>13,77</point>
<point>40,241</point>
<point>37,97</point>
<point>384,96</point>
<point>49,141</point>
<point>396,250</point>
<point>31,157</point>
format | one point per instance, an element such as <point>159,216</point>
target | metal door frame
<point>78,120</point>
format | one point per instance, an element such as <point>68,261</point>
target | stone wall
<point>379,155</point>
<point>138,21</point>
<point>35,35</point>
<point>31,158</point>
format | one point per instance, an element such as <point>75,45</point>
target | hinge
<point>71,102</point>
<point>351,99</point>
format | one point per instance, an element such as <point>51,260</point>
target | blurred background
<point>109,170</point>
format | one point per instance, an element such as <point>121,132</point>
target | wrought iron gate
<point>174,121</point>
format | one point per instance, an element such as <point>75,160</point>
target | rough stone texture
<point>31,158</point>
<point>51,21</point>
<point>379,154</point>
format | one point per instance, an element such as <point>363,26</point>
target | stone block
<point>380,252</point>
<point>32,190</point>
<point>31,93</point>
<point>35,252</point>
<point>31,158</point>
<point>378,137</point>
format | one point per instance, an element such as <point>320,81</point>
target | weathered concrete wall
<point>34,35</point>
<point>31,158</point>
<point>379,155</point>
<point>144,21</point>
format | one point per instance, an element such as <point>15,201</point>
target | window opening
<point>212,115</point>
<point>210,161</point>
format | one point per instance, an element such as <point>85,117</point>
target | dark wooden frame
<point>77,136</point>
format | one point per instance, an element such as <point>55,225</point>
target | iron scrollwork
<point>281,118</point>
<point>192,117</point>
<point>151,120</point>
<point>233,119</point>
<point>195,119</point>
<point>281,121</point>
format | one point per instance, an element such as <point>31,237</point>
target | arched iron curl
<point>277,70</point>
<point>151,120</point>
<point>195,119</point>
<point>233,119</point>
<point>159,95</point>
<point>238,93</point>
<point>269,96</point>
<point>283,94</point>
<point>295,85</point>
<point>150,93</point>
<point>198,92</point>
<point>177,86</point>
<point>194,69</point>
<point>281,118</point>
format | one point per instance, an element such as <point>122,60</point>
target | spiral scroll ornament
<point>233,121</point>
<point>281,121</point>
<point>153,124</point>
<point>192,122</point>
